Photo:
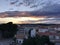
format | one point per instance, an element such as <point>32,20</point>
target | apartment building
<point>52,31</point>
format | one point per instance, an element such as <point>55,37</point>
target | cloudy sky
<point>42,11</point>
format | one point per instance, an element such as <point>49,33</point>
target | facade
<point>53,31</point>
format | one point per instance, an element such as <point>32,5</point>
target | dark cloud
<point>52,8</point>
<point>48,10</point>
<point>12,3</point>
<point>15,14</point>
<point>28,13</point>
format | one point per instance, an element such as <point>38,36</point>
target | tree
<point>38,41</point>
<point>29,41</point>
<point>8,30</point>
<point>44,40</point>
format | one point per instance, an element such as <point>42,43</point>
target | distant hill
<point>39,24</point>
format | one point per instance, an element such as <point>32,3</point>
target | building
<point>52,30</point>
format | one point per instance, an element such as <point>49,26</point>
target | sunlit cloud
<point>30,20</point>
<point>20,20</point>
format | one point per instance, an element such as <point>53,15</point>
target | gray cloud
<point>51,20</point>
<point>49,8</point>
<point>46,20</point>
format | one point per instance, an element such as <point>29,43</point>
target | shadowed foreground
<point>8,30</point>
<point>43,40</point>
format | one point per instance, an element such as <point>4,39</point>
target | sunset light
<point>20,20</point>
<point>29,22</point>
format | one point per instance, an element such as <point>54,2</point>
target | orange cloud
<point>20,17</point>
<point>18,14</point>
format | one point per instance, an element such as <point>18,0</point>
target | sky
<point>44,11</point>
<point>5,5</point>
<point>32,5</point>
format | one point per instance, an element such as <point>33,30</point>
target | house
<point>53,31</point>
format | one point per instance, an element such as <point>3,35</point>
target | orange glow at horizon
<point>20,20</point>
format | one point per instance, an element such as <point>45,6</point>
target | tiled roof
<point>20,36</point>
<point>48,33</point>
